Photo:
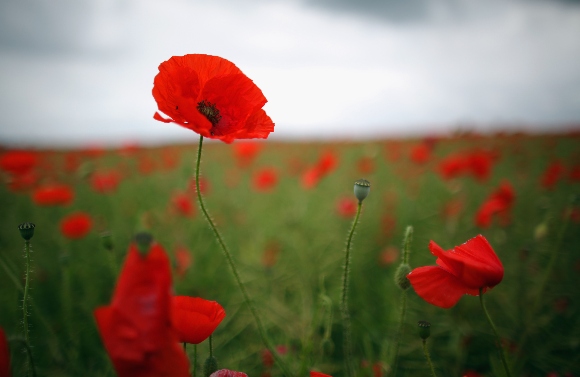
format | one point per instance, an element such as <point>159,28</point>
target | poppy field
<point>124,269</point>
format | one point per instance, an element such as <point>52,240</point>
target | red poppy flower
<point>105,182</point>
<point>318,374</point>
<point>183,204</point>
<point>552,174</point>
<point>183,259</point>
<point>227,373</point>
<point>246,152</point>
<point>4,355</point>
<point>346,207</point>
<point>499,202</point>
<point>53,195</point>
<point>463,270</point>
<point>420,154</point>
<point>76,225</point>
<point>18,162</point>
<point>136,326</point>
<point>212,97</point>
<point>195,319</point>
<point>325,165</point>
<point>265,179</point>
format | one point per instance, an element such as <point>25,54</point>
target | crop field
<point>285,211</point>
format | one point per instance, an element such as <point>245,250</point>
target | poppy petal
<point>258,126</point>
<point>437,286</point>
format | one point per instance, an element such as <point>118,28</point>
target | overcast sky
<point>81,71</point>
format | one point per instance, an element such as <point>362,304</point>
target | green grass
<point>72,277</point>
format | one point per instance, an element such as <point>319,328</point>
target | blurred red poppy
<point>204,186</point>
<point>271,254</point>
<point>53,195</point>
<point>212,97</point>
<point>245,152</point>
<point>420,153</point>
<point>346,207</point>
<point>227,373</point>
<point>499,202</point>
<point>324,166</point>
<point>170,158</point>
<point>575,173</point>
<point>105,182</point>
<point>183,204</point>
<point>18,162</point>
<point>471,373</point>
<point>183,260</point>
<point>194,318</point>
<point>552,175</point>
<point>463,270</point>
<point>4,355</point>
<point>23,182</point>
<point>76,225</point>
<point>318,374</point>
<point>136,327</point>
<point>146,165</point>
<point>388,256</point>
<point>366,165</point>
<point>265,179</point>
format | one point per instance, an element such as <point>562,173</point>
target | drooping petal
<point>258,126</point>
<point>437,286</point>
<point>474,263</point>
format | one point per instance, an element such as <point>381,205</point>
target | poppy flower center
<point>209,110</point>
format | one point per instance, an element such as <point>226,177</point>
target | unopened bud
<point>209,366</point>
<point>26,230</point>
<point>362,187</point>
<point>143,241</point>
<point>401,276</point>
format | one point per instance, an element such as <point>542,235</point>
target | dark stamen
<point>209,110</point>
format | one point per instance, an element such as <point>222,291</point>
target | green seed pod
<point>144,241</point>
<point>401,276</point>
<point>26,230</point>
<point>424,329</point>
<point>209,366</point>
<point>362,187</point>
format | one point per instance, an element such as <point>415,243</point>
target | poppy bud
<point>401,276</point>
<point>26,230</point>
<point>209,366</point>
<point>362,187</point>
<point>424,329</point>
<point>144,241</point>
<point>107,240</point>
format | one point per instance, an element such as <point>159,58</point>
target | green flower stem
<point>194,374</point>
<point>234,270</point>
<point>428,357</point>
<point>498,339</point>
<point>25,314</point>
<point>402,312</point>
<point>210,346</point>
<point>346,337</point>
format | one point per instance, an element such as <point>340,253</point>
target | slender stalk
<point>233,268</point>
<point>346,337</point>
<point>498,339</point>
<point>26,287</point>
<point>194,374</point>
<point>210,346</point>
<point>428,357</point>
<point>400,330</point>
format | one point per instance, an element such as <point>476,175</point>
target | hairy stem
<point>234,270</point>
<point>403,310</point>
<point>25,314</point>
<point>346,337</point>
<point>428,357</point>
<point>497,338</point>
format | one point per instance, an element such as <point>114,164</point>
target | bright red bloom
<point>499,202</point>
<point>463,270</point>
<point>105,182</point>
<point>18,162</point>
<point>194,318</point>
<point>4,355</point>
<point>53,195</point>
<point>552,175</point>
<point>212,97</point>
<point>136,327</point>
<point>183,204</point>
<point>346,207</point>
<point>265,179</point>
<point>318,374</point>
<point>227,373</point>
<point>76,225</point>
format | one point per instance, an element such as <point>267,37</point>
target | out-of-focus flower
<point>53,195</point>
<point>105,182</point>
<point>76,225</point>
<point>366,165</point>
<point>245,152</point>
<point>4,355</point>
<point>183,204</point>
<point>265,179</point>
<point>499,202</point>
<point>318,374</point>
<point>471,373</point>
<point>194,318</point>
<point>146,165</point>
<point>346,207</point>
<point>552,175</point>
<point>136,327</point>
<point>420,153</point>
<point>271,254</point>
<point>463,270</point>
<point>212,97</point>
<point>388,256</point>
<point>325,165</point>
<point>18,162</point>
<point>183,260</point>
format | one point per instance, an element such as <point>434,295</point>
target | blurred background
<point>80,72</point>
